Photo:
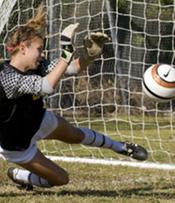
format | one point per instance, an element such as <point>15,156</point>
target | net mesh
<point>108,95</point>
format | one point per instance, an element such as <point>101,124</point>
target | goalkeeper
<point>24,80</point>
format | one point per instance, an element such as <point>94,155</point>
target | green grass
<point>156,135</point>
<point>96,183</point>
<point>100,183</point>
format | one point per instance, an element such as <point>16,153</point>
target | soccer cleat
<point>135,151</point>
<point>20,184</point>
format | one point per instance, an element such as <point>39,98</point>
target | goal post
<point>5,10</point>
<point>108,95</point>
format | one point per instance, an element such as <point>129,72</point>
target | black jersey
<point>21,107</point>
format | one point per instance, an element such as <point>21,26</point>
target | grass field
<point>96,183</point>
<point>100,183</point>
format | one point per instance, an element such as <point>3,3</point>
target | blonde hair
<point>38,22</point>
<point>35,27</point>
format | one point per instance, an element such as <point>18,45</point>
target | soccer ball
<point>159,82</point>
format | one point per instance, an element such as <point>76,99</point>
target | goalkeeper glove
<point>94,43</point>
<point>67,37</point>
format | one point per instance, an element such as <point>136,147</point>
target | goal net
<point>108,95</point>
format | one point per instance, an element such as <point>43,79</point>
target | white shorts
<point>48,125</point>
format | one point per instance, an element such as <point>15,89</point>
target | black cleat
<point>20,184</point>
<point>135,151</point>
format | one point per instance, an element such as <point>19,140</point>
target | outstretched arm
<point>93,45</point>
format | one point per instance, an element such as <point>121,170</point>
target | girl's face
<point>32,53</point>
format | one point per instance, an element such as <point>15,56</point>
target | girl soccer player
<point>24,80</point>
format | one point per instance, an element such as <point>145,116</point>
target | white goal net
<point>108,95</point>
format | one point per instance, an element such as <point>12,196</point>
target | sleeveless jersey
<point>20,114</point>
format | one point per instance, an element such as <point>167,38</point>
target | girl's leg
<point>67,133</point>
<point>70,134</point>
<point>40,171</point>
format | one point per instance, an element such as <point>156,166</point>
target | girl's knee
<point>65,180</point>
<point>61,180</point>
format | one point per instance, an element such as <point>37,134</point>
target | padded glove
<point>94,43</point>
<point>67,38</point>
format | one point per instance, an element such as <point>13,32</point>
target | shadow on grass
<point>128,193</point>
<point>143,192</point>
<point>148,191</point>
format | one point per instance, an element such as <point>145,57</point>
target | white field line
<point>136,164</point>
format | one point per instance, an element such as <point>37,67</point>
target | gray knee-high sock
<point>96,139</point>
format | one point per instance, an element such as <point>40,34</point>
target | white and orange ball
<point>159,82</point>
